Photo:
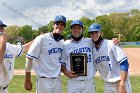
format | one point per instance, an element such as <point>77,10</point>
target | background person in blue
<point>44,55</point>
<point>111,62</point>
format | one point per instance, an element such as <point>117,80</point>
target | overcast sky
<point>39,12</point>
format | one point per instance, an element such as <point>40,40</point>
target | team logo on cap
<point>61,17</point>
<point>77,22</point>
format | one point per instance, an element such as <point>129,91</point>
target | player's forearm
<point>28,77</point>
<point>28,67</point>
<point>2,49</point>
<point>63,68</point>
<point>27,46</point>
<point>123,77</point>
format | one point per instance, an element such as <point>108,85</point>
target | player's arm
<point>27,46</point>
<point>69,74</point>
<point>28,82</point>
<point>63,59</point>
<point>124,73</point>
<point>3,40</point>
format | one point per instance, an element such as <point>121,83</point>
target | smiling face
<point>76,30</point>
<point>95,35</point>
<point>58,27</point>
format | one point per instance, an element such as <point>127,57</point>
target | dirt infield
<point>133,57</point>
<point>134,60</point>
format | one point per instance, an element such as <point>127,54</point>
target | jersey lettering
<point>55,50</point>
<point>81,50</point>
<point>101,59</point>
<point>8,56</point>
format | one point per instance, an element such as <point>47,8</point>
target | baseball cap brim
<point>95,30</point>
<point>77,25</point>
<point>3,25</point>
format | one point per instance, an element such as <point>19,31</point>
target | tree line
<point>125,26</point>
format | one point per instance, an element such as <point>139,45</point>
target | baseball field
<point>17,84</point>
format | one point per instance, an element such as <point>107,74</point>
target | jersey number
<point>10,66</point>
<point>110,68</point>
<point>89,58</point>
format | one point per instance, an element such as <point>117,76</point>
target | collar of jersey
<point>51,34</point>
<point>97,49</point>
<point>77,42</point>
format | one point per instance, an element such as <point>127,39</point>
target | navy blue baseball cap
<point>76,22</point>
<point>94,27</point>
<point>2,25</point>
<point>60,18</point>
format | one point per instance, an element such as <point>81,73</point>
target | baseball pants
<point>113,87</point>
<point>49,85</point>
<point>4,91</point>
<point>81,86</point>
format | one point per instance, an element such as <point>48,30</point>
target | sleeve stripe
<point>20,52</point>
<point>30,56</point>
<point>122,60</point>
<point>62,63</point>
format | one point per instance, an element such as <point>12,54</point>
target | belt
<point>3,88</point>
<point>48,77</point>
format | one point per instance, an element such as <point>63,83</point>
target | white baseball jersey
<point>12,51</point>
<point>85,45</point>
<point>107,59</point>
<point>46,52</point>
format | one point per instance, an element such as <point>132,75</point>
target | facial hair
<point>77,38</point>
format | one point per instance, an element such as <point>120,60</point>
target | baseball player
<point>44,55</point>
<point>76,45</point>
<point>111,62</point>
<point>8,53</point>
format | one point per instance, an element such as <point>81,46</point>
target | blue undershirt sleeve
<point>124,65</point>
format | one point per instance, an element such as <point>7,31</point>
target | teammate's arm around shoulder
<point>3,39</point>
<point>116,41</point>
<point>28,82</point>
<point>27,46</point>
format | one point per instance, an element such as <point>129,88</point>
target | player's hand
<point>122,88</point>
<point>28,85</point>
<point>116,41</point>
<point>70,74</point>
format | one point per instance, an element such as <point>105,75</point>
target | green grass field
<point>131,46</point>
<point>20,62</point>
<point>17,84</point>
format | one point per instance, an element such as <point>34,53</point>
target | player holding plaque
<point>77,61</point>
